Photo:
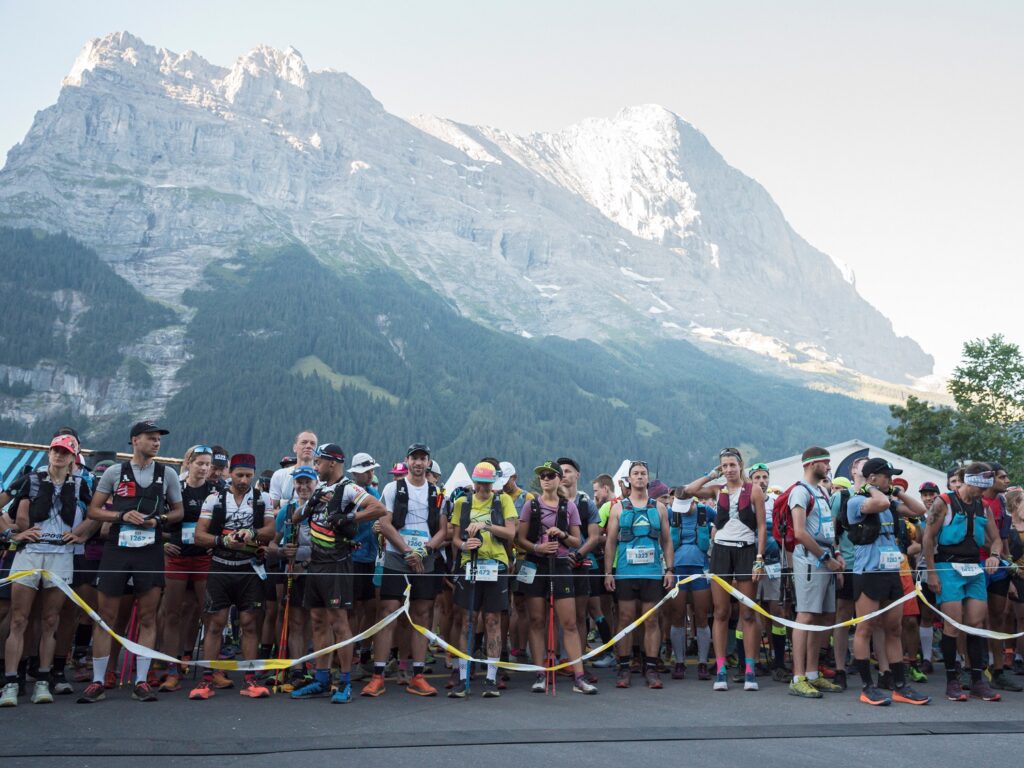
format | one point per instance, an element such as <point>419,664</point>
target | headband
<point>813,459</point>
<point>983,480</point>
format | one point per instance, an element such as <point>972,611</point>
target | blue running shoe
<point>311,691</point>
<point>342,695</point>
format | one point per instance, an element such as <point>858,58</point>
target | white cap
<point>507,470</point>
<point>363,462</point>
<point>435,468</point>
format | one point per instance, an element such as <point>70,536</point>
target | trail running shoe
<point>343,695</point>
<point>41,693</point>
<point>703,673</point>
<point>9,698</point>
<point>721,680</point>
<point>916,675</point>
<point>453,678</point>
<point>419,686</point>
<point>781,675</point>
<point>220,680</point>
<point>93,692</point>
<point>907,695</point>
<point>143,692</point>
<point>538,684</point>
<point>580,685</point>
<point>1004,682</point>
<point>169,684</point>
<point>375,687</point>
<point>653,679</point>
<point>750,682</point>
<point>678,671</point>
<point>459,691</point>
<point>955,692</point>
<point>825,685</point>
<point>61,686</point>
<point>202,692</point>
<point>874,696</point>
<point>982,690</point>
<point>802,687</point>
<point>312,690</point>
<point>254,689</point>
<point>605,662</point>
<point>622,677</point>
<point>491,689</point>
<point>927,667</point>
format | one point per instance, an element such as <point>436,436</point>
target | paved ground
<point>616,727</point>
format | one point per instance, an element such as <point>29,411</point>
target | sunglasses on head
<point>201,449</point>
<point>547,475</point>
<point>729,452</point>
<point>637,463</point>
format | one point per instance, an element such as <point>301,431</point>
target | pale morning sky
<point>889,133</point>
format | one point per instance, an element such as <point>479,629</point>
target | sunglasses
<point>201,449</point>
<point>547,475</point>
<point>637,463</point>
<point>729,452</point>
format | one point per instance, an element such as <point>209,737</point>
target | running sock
<point>172,668</point>
<point>418,667</point>
<point>977,653</point>
<point>345,678</point>
<point>266,650</point>
<point>364,656</point>
<point>624,661</point>
<point>463,666</point>
<point>812,675</point>
<point>899,674</point>
<point>678,637</point>
<point>83,634</point>
<point>650,663</point>
<point>379,667</point>
<point>59,662</point>
<point>779,646</point>
<point>99,668</point>
<point>864,669</point>
<point>142,668</point>
<point>720,660</point>
<point>492,668</point>
<point>603,629</point>
<point>323,676</point>
<point>44,672</point>
<point>748,668</point>
<point>927,637</point>
<point>703,644</point>
<point>8,679</point>
<point>948,647</point>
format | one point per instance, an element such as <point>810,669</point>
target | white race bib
<point>527,572</point>
<point>967,569</point>
<point>188,533</point>
<point>773,570</point>
<point>261,570</point>
<point>828,530</point>
<point>133,536</point>
<point>890,559</point>
<point>415,539</point>
<point>640,555</point>
<point>486,570</point>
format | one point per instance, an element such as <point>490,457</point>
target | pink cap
<point>67,442</point>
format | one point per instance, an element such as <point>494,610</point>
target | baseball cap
<point>304,472</point>
<point>67,442</point>
<point>399,470</point>
<point>330,451</point>
<point>143,427</point>
<point>418,448</point>
<point>435,468</point>
<point>901,483</point>
<point>842,482</point>
<point>484,472</point>
<point>928,487</point>
<point>878,466</point>
<point>658,488</point>
<point>288,461</point>
<point>507,470</point>
<point>363,462</point>
<point>548,466</point>
<point>220,456</point>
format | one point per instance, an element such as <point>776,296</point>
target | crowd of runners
<point>521,577</point>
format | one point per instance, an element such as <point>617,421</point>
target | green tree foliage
<point>986,424</point>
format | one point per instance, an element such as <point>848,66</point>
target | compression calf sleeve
<point>678,637</point>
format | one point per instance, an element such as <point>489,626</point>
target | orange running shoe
<point>202,691</point>
<point>375,687</point>
<point>220,680</point>
<point>254,690</point>
<point>418,685</point>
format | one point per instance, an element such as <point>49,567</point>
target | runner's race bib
<point>773,570</point>
<point>828,530</point>
<point>486,570</point>
<point>890,559</point>
<point>527,572</point>
<point>261,570</point>
<point>967,569</point>
<point>415,539</point>
<point>134,536</point>
<point>188,533</point>
<point>640,555</point>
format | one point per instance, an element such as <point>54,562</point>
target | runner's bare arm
<point>666,536</point>
<point>371,509</point>
<point>757,496</point>
<point>611,530</point>
<point>203,536</point>
<point>96,508</point>
<point>936,515</point>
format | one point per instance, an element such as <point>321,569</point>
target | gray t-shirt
<point>144,478</point>
<point>819,514</point>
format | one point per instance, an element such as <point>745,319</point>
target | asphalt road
<point>616,727</point>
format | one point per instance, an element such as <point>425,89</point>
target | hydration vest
<point>960,538</point>
<point>219,517</point>
<point>497,514</point>
<point>702,533</point>
<point>41,493</point>
<point>328,527</point>
<point>128,496</point>
<point>626,532</point>
<point>745,508</point>
<point>401,506</point>
<point>561,519</point>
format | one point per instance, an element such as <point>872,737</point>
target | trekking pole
<point>471,612</point>
<point>282,646</point>
<point>549,660</point>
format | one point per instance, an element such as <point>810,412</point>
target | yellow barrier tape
<point>246,665</point>
<point>517,667</point>
<point>989,633</point>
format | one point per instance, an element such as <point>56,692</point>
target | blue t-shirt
<point>366,551</point>
<point>868,557</point>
